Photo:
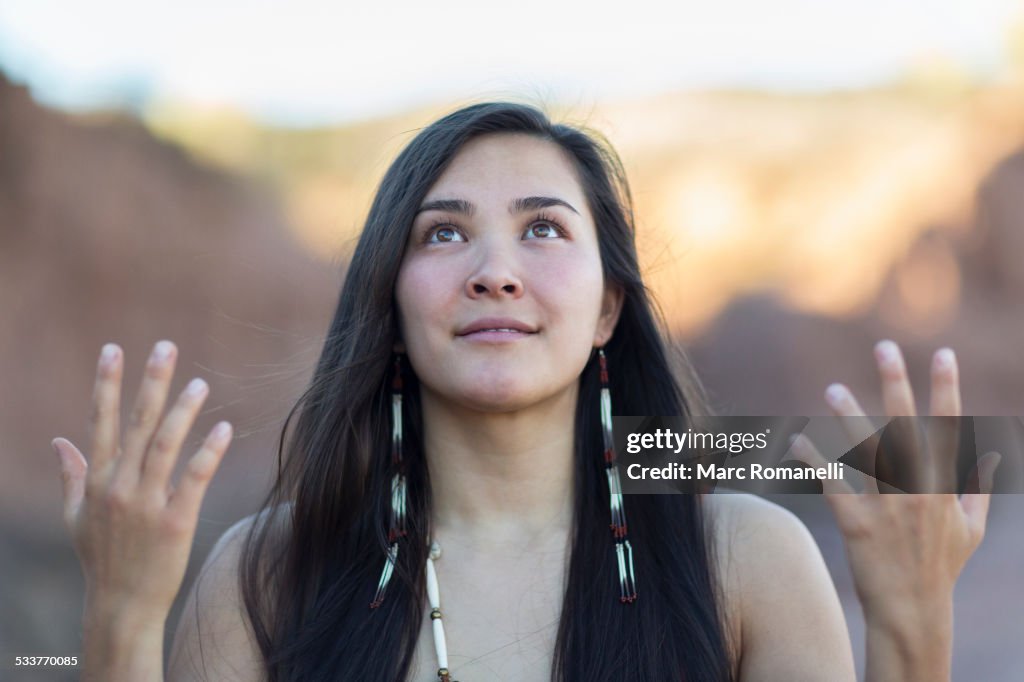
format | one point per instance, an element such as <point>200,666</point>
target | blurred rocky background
<point>782,235</point>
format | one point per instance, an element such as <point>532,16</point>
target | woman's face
<point>513,239</point>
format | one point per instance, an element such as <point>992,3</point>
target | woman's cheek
<point>567,270</point>
<point>572,285</point>
<point>424,283</point>
<point>421,295</point>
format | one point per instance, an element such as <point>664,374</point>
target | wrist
<point>909,641</point>
<point>109,610</point>
<point>121,641</point>
<point>908,616</point>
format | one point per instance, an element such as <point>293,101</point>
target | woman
<point>496,269</point>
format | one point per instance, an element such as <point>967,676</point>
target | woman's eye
<point>444,234</point>
<point>543,230</point>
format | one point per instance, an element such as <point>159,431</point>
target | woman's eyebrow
<point>515,206</point>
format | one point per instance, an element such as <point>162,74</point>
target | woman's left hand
<point>906,551</point>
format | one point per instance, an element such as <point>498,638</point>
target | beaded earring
<point>623,550</point>
<point>397,527</point>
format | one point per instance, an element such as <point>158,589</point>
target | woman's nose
<point>496,275</point>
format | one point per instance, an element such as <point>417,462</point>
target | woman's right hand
<point>131,528</point>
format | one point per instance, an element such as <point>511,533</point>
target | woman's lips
<point>494,336</point>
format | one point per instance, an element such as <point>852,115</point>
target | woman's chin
<point>496,397</point>
<point>495,386</point>
<point>492,393</point>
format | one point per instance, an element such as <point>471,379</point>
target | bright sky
<point>306,62</point>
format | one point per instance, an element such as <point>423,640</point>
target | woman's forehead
<point>505,165</point>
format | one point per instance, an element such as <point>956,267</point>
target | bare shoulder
<point>733,514</point>
<point>755,539</point>
<point>785,615</point>
<point>214,638</point>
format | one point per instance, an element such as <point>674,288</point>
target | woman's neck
<point>501,480</point>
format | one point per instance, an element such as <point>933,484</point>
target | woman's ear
<point>611,308</point>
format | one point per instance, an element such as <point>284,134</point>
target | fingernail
<point>221,430</point>
<point>944,358</point>
<point>835,394</point>
<point>887,353</point>
<point>56,450</point>
<point>108,354</point>
<point>195,387</point>
<point>162,351</point>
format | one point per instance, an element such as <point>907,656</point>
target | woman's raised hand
<point>907,550</point>
<point>131,527</point>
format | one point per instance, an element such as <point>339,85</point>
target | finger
<point>897,396</point>
<point>105,424</point>
<point>805,451</point>
<point>989,466</point>
<point>945,396</point>
<point>839,494</point>
<point>903,462</point>
<point>944,422</point>
<point>982,478</point>
<point>976,505</point>
<point>857,426</point>
<point>73,467</point>
<point>188,498</point>
<point>909,461</point>
<point>166,445</point>
<point>149,405</point>
<point>844,405</point>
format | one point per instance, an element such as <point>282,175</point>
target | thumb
<point>72,469</point>
<point>989,463</point>
<point>975,504</point>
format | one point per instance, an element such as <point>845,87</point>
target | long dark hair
<point>307,588</point>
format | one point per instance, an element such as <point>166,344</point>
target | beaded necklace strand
<point>434,596</point>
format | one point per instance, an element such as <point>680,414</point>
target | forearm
<point>910,645</point>
<point>119,644</point>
